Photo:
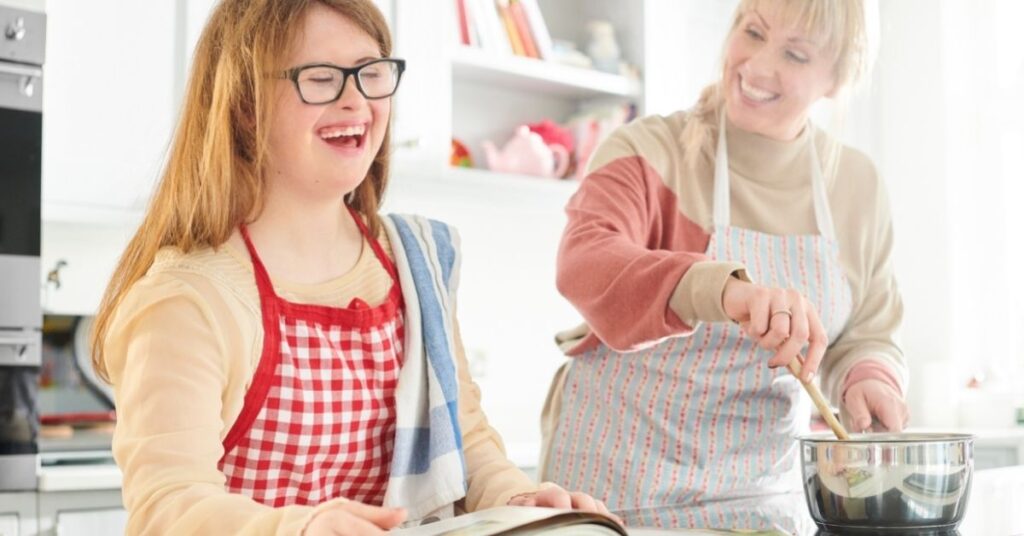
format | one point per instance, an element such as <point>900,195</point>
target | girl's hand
<point>551,495</point>
<point>352,518</point>
<point>870,401</point>
<point>777,319</point>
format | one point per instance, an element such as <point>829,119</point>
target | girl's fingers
<point>554,497</point>
<point>385,518</point>
<point>582,501</point>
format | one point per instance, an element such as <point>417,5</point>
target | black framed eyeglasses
<point>323,83</point>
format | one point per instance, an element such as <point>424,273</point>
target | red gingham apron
<point>319,418</point>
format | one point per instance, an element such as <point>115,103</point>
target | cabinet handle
<point>19,70</point>
<point>53,276</point>
<point>15,30</point>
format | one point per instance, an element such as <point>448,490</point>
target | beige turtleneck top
<point>640,224</point>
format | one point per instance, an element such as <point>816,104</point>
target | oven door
<point>21,137</point>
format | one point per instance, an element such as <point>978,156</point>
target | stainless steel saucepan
<point>907,483</point>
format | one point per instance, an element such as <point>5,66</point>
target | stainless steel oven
<point>22,48</point>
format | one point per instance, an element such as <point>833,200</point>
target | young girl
<point>284,359</point>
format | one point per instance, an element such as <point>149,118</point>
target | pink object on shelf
<point>527,154</point>
<point>554,134</point>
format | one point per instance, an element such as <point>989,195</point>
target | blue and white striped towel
<point>428,471</point>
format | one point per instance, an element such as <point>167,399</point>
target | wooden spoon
<point>796,367</point>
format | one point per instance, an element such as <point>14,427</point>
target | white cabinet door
<point>109,101</point>
<point>18,514</point>
<point>84,256</point>
<point>90,522</point>
<point>9,525</point>
<point>81,512</point>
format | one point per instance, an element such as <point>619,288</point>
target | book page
<point>502,520</point>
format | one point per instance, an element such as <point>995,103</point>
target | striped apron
<point>700,417</point>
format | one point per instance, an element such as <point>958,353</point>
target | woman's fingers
<point>760,313</point>
<point>857,407</point>
<point>779,319</point>
<point>818,342</point>
<point>799,333</point>
<point>784,321</point>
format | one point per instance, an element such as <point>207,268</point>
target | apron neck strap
<point>266,288</point>
<point>378,250</point>
<point>721,208</point>
<point>263,284</point>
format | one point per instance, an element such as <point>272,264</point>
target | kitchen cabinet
<point>108,104</point>
<point>85,513</point>
<point>77,262</point>
<point>18,514</point>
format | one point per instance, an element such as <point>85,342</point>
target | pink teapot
<point>527,154</point>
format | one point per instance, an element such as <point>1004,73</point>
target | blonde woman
<point>285,359</point>
<point>709,248</point>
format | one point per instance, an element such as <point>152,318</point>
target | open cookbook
<point>520,521</point>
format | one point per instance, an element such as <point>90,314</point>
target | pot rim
<point>888,438</point>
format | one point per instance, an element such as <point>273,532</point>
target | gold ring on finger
<point>786,312</point>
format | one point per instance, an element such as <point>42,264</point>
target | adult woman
<point>669,397</point>
<point>284,359</point>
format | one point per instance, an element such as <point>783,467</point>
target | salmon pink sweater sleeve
<point>630,261</point>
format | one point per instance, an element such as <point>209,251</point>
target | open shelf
<point>528,74</point>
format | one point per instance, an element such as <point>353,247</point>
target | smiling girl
<point>285,359</point>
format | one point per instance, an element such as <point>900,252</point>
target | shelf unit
<point>473,94</point>
<point>510,225</point>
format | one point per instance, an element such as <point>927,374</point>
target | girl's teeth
<point>357,130</point>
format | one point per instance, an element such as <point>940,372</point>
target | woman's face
<point>325,150</point>
<point>773,74</point>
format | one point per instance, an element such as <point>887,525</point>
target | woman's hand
<point>874,400</point>
<point>352,518</point>
<point>777,319</point>
<point>552,495</point>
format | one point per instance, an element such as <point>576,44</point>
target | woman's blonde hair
<point>843,28</point>
<point>213,180</point>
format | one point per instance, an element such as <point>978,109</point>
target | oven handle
<point>20,70</point>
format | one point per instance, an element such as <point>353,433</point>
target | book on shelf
<point>466,37</point>
<point>518,15</point>
<point>519,520</point>
<point>504,27</point>
<point>483,16</point>
<point>510,28</point>
<point>538,28</point>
